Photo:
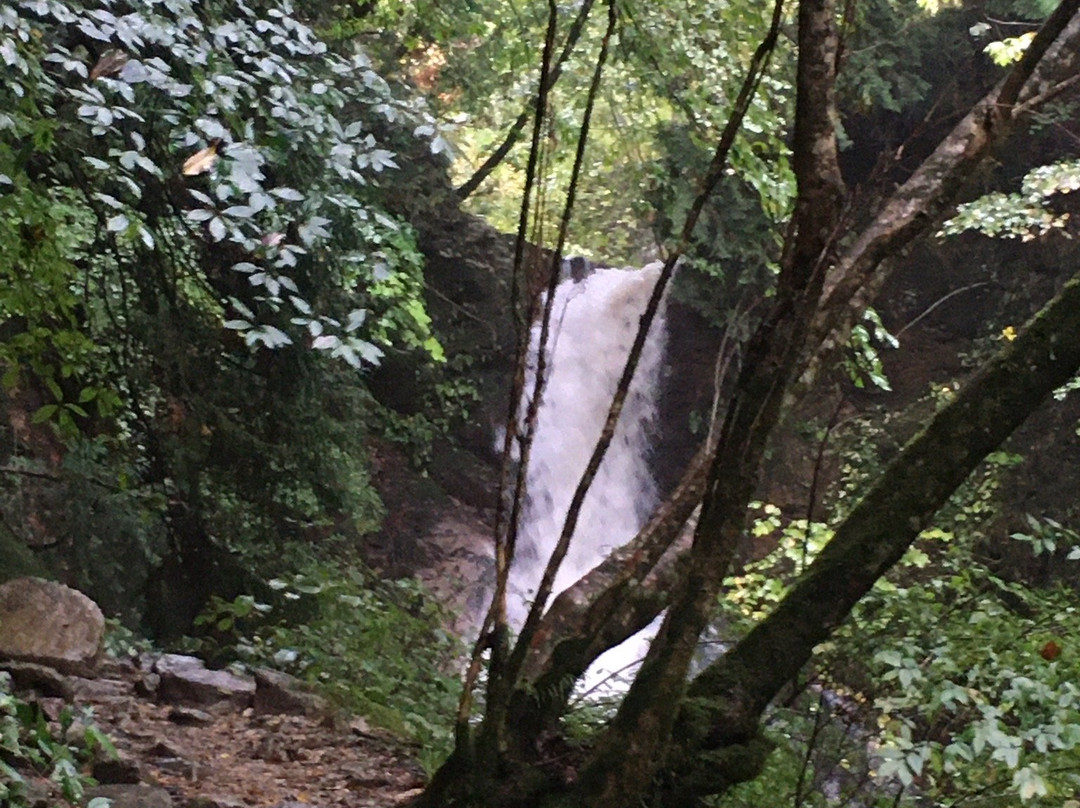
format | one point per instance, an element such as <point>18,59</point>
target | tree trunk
<point>725,701</point>
<point>672,743</point>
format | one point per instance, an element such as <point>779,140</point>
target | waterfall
<point>594,322</point>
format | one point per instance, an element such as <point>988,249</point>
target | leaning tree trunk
<point>671,743</point>
<point>724,703</point>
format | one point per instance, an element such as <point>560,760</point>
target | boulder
<point>121,770</point>
<point>277,693</point>
<point>185,680</point>
<point>103,689</point>
<point>50,624</point>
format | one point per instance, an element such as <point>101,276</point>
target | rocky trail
<point>186,736</point>
<point>192,738</point>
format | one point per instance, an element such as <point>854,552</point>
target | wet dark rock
<point>117,771</point>
<point>42,679</point>
<point>50,624</point>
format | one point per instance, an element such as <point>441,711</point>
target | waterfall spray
<point>594,322</point>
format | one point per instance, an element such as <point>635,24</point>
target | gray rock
<point>185,680</point>
<point>52,706</point>
<point>102,689</point>
<point>41,678</point>
<point>75,734</point>
<point>278,693</point>
<point>147,684</point>
<point>163,749</point>
<point>132,796</point>
<point>190,717</point>
<point>50,624</point>
<point>180,767</point>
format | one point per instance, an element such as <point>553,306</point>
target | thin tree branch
<point>709,182</point>
<point>735,689</point>
<point>495,620</point>
<point>467,188</point>
<point>916,206</point>
<point>926,312</point>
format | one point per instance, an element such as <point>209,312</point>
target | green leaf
<point>44,413</point>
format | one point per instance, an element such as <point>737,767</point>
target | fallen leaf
<point>1050,651</point>
<point>111,61</point>
<point>202,161</point>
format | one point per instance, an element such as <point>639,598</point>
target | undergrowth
<point>375,647</point>
<point>30,744</point>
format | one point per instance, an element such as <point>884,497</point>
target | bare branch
<point>709,182</point>
<point>916,206</point>
<point>505,525</point>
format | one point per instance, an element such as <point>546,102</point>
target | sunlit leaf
<point>202,161</point>
<point>111,62</point>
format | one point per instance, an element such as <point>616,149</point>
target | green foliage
<point>197,266</point>
<point>378,648</point>
<point>1006,51</point>
<point>29,743</point>
<point>894,53</point>
<point>1048,536</point>
<point>731,262</point>
<point>954,678</point>
<point>761,584</point>
<point>862,361</point>
<point>1025,214</point>
<point>277,136</point>
<point>480,64</point>
<point>972,695</point>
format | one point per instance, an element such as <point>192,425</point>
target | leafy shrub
<point>27,743</point>
<point>379,648</point>
<point>197,267</point>
<point>952,681</point>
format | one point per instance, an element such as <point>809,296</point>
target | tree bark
<point>725,702</point>
<point>907,215</point>
<point>628,754</point>
<point>671,743</point>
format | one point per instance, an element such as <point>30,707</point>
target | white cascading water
<point>594,322</point>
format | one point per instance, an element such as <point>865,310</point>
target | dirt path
<point>228,755</point>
